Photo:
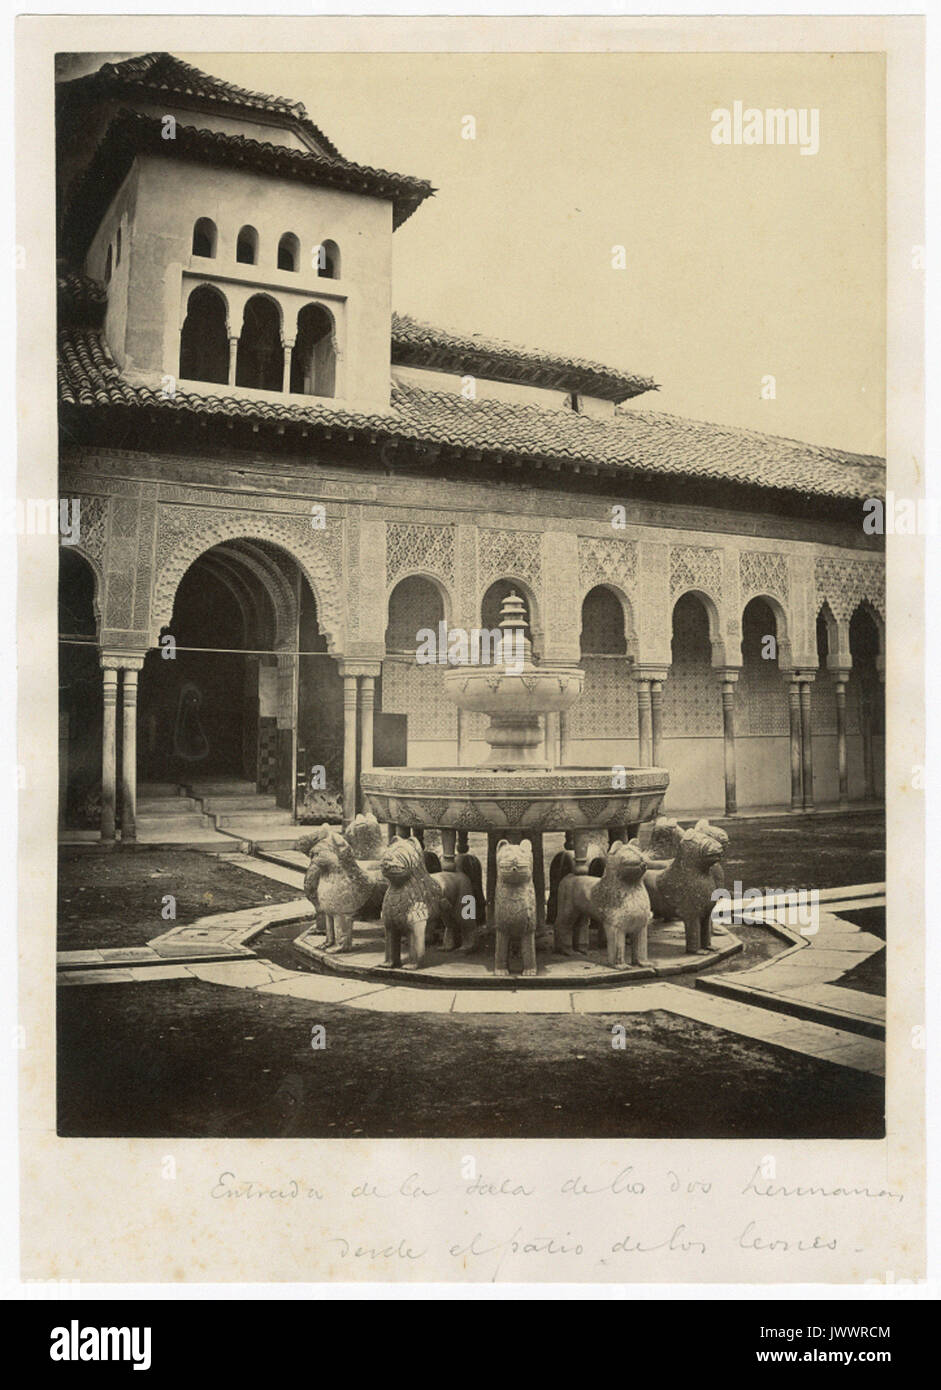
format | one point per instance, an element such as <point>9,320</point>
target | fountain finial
<point>514,641</point>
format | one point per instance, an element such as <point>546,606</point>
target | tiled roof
<point>643,443</point>
<point>416,344</point>
<point>81,301</point>
<point>152,73</point>
<point>130,133</point>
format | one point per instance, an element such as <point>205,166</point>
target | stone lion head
<point>700,848</point>
<point>626,861</point>
<point>330,850</point>
<point>401,859</point>
<point>514,862</point>
<point>664,838</point>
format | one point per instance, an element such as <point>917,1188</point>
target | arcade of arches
<point>254,691</point>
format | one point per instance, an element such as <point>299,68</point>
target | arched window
<point>761,695</point>
<point>289,250</point>
<point>117,248</point>
<point>414,603</point>
<point>260,357</point>
<point>690,704</point>
<point>314,360</point>
<point>204,341</point>
<point>602,624</point>
<point>492,602</point>
<point>246,247</point>
<point>328,260</point>
<point>204,237</point>
<point>108,263</point>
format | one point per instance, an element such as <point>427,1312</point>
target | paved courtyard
<point>204,1031</point>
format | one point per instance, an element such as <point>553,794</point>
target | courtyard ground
<point>115,897</point>
<point>188,1057</point>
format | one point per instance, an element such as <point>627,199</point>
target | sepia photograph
<point>471,801</point>
<point>455,736</point>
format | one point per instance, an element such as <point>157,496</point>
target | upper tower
<point>239,249</point>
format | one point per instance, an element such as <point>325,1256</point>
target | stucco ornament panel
<point>413,547</point>
<point>509,553</point>
<point>844,584</point>
<point>695,567</point>
<point>604,561</point>
<point>764,572</point>
<point>184,533</point>
<point>92,527</point>
<point>467,586</point>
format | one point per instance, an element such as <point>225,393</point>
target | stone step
<point>166,805</point>
<point>223,786</point>
<point>236,820</point>
<point>172,826</point>
<point>152,790</point>
<point>248,803</point>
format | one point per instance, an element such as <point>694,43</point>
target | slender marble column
<point>109,751</point>
<point>807,744</point>
<point>840,679</point>
<point>794,716</point>
<point>129,755</point>
<point>233,357</point>
<point>644,733</point>
<point>349,747</point>
<point>286,369</point>
<point>656,722</point>
<point>728,679</point>
<point>367,707</point>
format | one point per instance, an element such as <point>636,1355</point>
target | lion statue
<point>339,887</point>
<point>561,865</point>
<point>415,901</point>
<point>617,901</point>
<point>515,906</point>
<point>665,836</point>
<point>364,836</point>
<point>685,888</point>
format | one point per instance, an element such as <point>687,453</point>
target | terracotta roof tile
<point>636,442</point>
<point>150,73</point>
<point>418,344</point>
<point>130,133</point>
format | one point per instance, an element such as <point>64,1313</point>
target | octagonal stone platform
<point>667,951</point>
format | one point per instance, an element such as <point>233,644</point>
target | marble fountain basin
<point>535,799</point>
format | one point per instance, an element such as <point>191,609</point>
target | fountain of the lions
<point>514,797</point>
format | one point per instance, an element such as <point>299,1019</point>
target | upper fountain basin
<point>499,691</point>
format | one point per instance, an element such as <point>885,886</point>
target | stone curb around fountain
<point>441,979</point>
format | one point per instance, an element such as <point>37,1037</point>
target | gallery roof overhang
<point>417,344</point>
<point>131,134</point>
<point>430,426</point>
<point>150,75</point>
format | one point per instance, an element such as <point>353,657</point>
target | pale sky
<point>741,261</point>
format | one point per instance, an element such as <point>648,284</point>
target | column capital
<point>360,668</point>
<point>840,674</point>
<point>121,661</point>
<point>643,672</point>
<point>727,674</point>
